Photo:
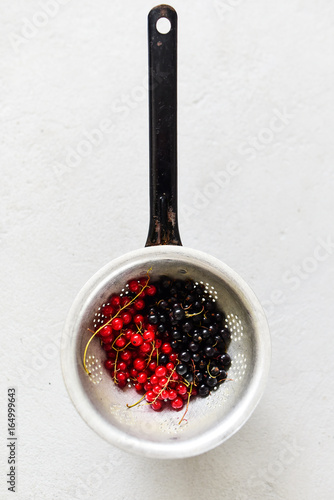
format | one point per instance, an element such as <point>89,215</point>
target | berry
<point>139,304</point>
<point>136,339</point>
<point>126,317</point>
<point>138,319</point>
<point>117,324</point>
<point>106,331</point>
<point>120,342</point>
<point>150,396</point>
<point>142,377</point>
<point>161,371</point>
<point>109,364</point>
<point>156,406</point>
<point>139,364</point>
<point>148,336</point>
<point>177,404</point>
<point>151,290</point>
<point>134,286</point>
<point>108,310</point>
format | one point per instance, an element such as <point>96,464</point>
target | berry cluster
<point>166,339</point>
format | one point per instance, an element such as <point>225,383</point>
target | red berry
<point>117,324</point>
<point>173,357</point>
<point>145,347</point>
<point>126,355</point>
<point>126,317</point>
<point>139,364</point>
<point>108,364</point>
<point>107,310</point>
<point>143,281</point>
<point>121,377</point>
<point>128,333</point>
<point>121,384</point>
<point>181,389</point>
<point>120,342</point>
<point>160,371</point>
<point>150,396</point>
<point>106,331</point>
<point>125,301</point>
<point>148,386</point>
<point>134,286</point>
<point>163,381</point>
<point>170,366</point>
<point>138,387</point>
<point>149,336</point>
<point>154,379</point>
<point>156,406</point>
<point>121,366</point>
<point>164,394</point>
<point>177,404</point>
<point>142,377</point>
<point>133,373</point>
<point>156,389</point>
<point>151,290</point>
<point>166,348</point>
<point>115,301</point>
<point>158,343</point>
<point>152,366</point>
<point>138,318</point>
<point>136,339</point>
<point>172,394</point>
<point>111,355</point>
<point>108,347</point>
<point>139,304</point>
<point>109,339</point>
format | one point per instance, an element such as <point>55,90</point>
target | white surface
<point>241,64</point>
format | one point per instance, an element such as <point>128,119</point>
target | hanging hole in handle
<point>163,25</point>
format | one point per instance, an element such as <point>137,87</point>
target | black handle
<point>163,228</point>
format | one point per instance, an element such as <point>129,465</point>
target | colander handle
<point>163,228</point>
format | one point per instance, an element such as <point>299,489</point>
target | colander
<point>99,401</point>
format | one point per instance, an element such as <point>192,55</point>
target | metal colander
<point>99,401</point>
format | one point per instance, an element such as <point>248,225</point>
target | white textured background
<point>68,207</point>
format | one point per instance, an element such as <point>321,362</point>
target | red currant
<point>134,286</point>
<point>139,304</point>
<point>126,355</point>
<point>160,371</point>
<point>166,348</point>
<point>120,342</point>
<point>149,336</point>
<point>126,317</point>
<point>181,389</point>
<point>125,301</point>
<point>138,319</point>
<point>150,396</point>
<point>154,379</point>
<point>142,377</point>
<point>115,301</point>
<point>136,339</point>
<point>177,404</point>
<point>121,377</point>
<point>151,290</point>
<point>145,347</point>
<point>138,387</point>
<point>139,364</point>
<point>163,381</point>
<point>156,406</point>
<point>107,310</point>
<point>109,364</point>
<point>106,331</point>
<point>117,324</point>
<point>172,394</point>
